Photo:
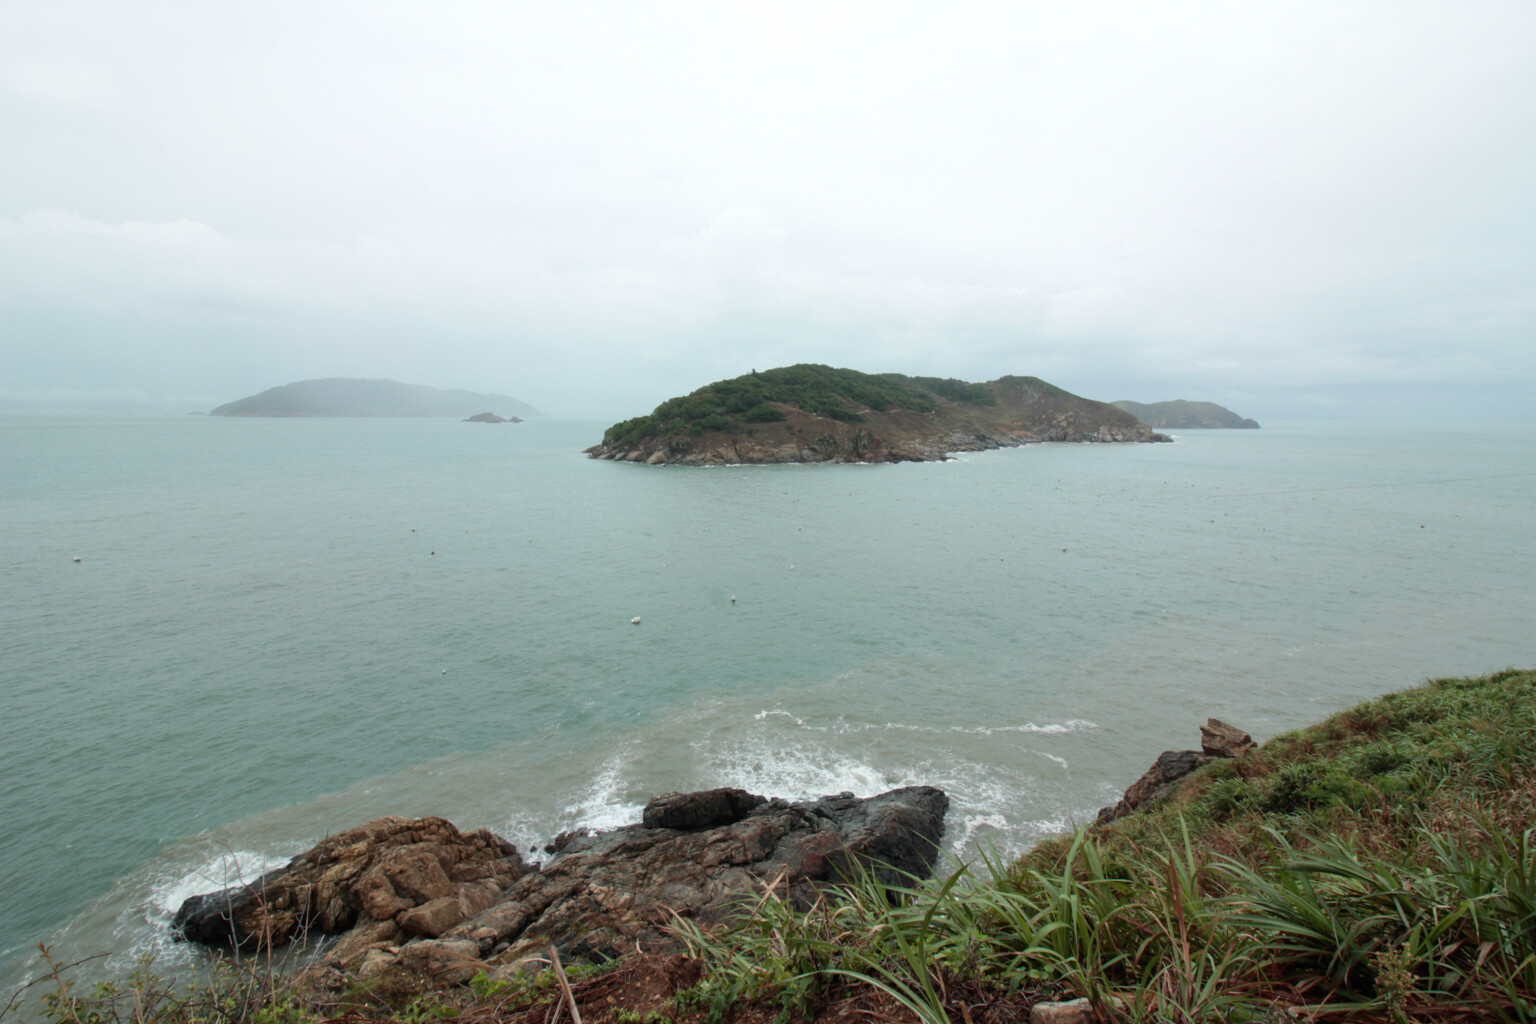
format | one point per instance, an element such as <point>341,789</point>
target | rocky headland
<point>421,899</point>
<point>423,902</point>
<point>1185,415</point>
<point>1195,897</point>
<point>812,413</point>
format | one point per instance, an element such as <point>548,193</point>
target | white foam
<point>970,824</point>
<point>842,726</point>
<point>601,805</point>
<point>231,867</point>
<point>795,773</point>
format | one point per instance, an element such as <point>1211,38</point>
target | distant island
<point>348,396</point>
<point>1182,415</point>
<point>814,413</point>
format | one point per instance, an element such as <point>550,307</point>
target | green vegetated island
<point>1184,415</point>
<point>348,396</point>
<point>1378,867</point>
<point>814,413</point>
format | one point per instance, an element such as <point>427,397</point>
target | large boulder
<point>1218,739</point>
<point>412,900</point>
<point>378,872</point>
<point>705,809</point>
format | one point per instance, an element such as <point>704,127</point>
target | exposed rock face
<point>1218,739</point>
<point>410,899</point>
<point>389,871</point>
<point>699,810</point>
<point>1155,782</point>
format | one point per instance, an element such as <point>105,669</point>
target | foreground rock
<point>390,869</point>
<point>420,897</point>
<point>1217,739</point>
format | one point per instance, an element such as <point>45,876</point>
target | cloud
<point>612,208</point>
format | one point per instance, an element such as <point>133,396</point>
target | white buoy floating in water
<point>635,621</point>
<point>733,599</point>
<point>79,559</point>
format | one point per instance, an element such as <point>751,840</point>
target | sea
<point>223,639</point>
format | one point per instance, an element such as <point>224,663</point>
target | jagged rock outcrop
<point>1218,740</point>
<point>449,909</point>
<point>413,875</point>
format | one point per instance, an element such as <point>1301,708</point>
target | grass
<point>1378,866</point>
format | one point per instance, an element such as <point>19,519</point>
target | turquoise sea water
<point>281,628</point>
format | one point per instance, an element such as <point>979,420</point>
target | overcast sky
<point>593,207</point>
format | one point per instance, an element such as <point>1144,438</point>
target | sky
<point>1298,209</point>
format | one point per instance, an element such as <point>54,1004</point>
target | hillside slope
<point>814,413</point>
<point>1185,415</point>
<point>348,396</point>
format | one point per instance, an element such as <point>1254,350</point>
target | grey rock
<point>1155,783</point>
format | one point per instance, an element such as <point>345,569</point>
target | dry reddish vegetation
<point>644,988</point>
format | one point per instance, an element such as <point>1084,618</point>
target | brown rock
<point>1218,739</point>
<point>374,871</point>
<point>460,901</point>
<point>366,936</point>
<point>433,917</point>
<point>377,961</point>
<point>1074,1011</point>
<point>447,961</point>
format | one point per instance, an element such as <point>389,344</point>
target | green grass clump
<point>1379,866</point>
